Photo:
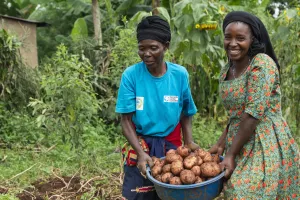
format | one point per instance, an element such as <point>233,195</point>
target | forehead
<point>237,28</point>
<point>149,42</point>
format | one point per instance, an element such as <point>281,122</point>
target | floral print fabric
<point>268,165</point>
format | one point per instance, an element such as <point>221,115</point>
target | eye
<point>240,38</point>
<point>227,37</point>
<point>154,48</point>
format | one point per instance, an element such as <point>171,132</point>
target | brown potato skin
<point>198,180</point>
<point>208,158</point>
<point>190,162</point>
<point>177,167</point>
<point>210,169</point>
<point>200,161</point>
<point>156,170</point>
<point>201,153</point>
<point>155,160</point>
<point>175,180</point>
<point>187,177</point>
<point>158,177</point>
<point>171,151</point>
<point>165,178</point>
<point>173,157</point>
<point>183,151</point>
<point>197,170</point>
<point>166,168</point>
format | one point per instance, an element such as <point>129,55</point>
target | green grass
<point>20,167</point>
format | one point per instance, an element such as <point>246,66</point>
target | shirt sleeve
<point>259,85</point>
<point>189,107</point>
<point>126,100</point>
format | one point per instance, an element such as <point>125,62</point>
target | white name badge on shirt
<point>171,99</point>
<point>139,103</point>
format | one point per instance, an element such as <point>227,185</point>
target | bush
<point>67,102</point>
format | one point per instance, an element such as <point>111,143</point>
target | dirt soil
<point>61,188</point>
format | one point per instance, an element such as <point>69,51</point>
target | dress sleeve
<point>189,107</point>
<point>259,85</point>
<point>126,101</point>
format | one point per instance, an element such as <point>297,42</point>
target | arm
<point>186,124</point>
<point>219,147</point>
<point>129,133</point>
<point>246,130</point>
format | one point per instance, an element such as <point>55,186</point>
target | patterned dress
<point>268,164</point>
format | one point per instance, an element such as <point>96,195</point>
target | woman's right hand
<point>143,160</point>
<point>217,149</point>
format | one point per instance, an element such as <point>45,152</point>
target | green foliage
<point>18,128</point>
<point>206,131</point>
<point>17,82</point>
<point>80,30</point>
<point>67,101</point>
<point>7,197</point>
<point>286,40</point>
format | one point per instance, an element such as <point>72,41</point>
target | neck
<point>158,71</point>
<point>241,64</point>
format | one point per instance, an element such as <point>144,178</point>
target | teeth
<point>234,51</point>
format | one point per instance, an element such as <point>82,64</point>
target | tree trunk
<point>155,4</point>
<point>97,22</point>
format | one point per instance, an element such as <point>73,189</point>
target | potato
<point>190,162</point>
<point>165,178</point>
<point>176,167</point>
<point>175,180</point>
<point>171,151</point>
<point>156,170</point>
<point>166,168</point>
<point>216,158</point>
<point>197,170</point>
<point>208,158</point>
<point>201,152</point>
<point>210,169</point>
<point>155,160</point>
<point>173,157</point>
<point>200,161</point>
<point>183,151</point>
<point>198,180</point>
<point>187,177</point>
<point>158,177</point>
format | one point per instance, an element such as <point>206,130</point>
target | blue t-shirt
<point>157,102</point>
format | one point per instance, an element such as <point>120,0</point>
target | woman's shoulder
<point>132,69</point>
<point>177,68</point>
<point>263,58</point>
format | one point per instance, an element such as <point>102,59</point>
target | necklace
<point>233,69</point>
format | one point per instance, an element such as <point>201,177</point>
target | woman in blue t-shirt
<point>155,103</point>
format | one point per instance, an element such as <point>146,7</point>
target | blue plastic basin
<point>206,190</point>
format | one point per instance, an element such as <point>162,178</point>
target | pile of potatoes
<point>183,167</point>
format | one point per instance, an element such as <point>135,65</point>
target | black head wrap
<point>154,28</point>
<point>261,42</point>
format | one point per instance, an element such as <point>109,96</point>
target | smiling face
<point>237,40</point>
<point>152,53</point>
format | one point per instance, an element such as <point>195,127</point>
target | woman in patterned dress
<point>262,157</point>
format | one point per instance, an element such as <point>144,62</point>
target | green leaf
<point>198,12</point>
<point>79,30</point>
<point>164,13</point>
<point>291,13</point>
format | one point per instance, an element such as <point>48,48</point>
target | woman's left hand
<point>229,165</point>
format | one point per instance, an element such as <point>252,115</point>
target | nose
<point>233,42</point>
<point>147,54</point>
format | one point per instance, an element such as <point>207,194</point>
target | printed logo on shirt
<point>139,103</point>
<point>171,99</point>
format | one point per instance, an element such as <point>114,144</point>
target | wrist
<point>230,154</point>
